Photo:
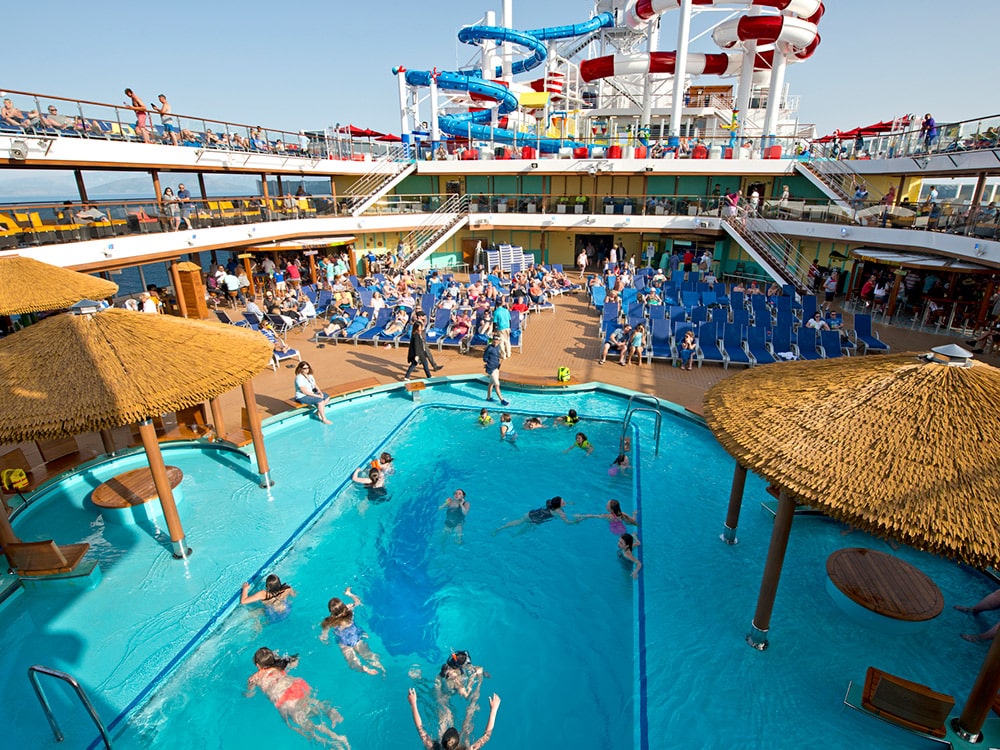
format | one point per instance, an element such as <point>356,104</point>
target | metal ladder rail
<point>636,410</point>
<point>37,669</point>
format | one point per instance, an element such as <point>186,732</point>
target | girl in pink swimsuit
<point>291,696</point>
<point>617,518</point>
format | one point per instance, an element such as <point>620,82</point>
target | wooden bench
<point>44,558</point>
<point>62,453</point>
<point>908,704</point>
<point>132,488</point>
<point>341,389</point>
<point>537,381</point>
<point>414,388</point>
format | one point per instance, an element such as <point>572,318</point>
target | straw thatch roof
<point>28,286</point>
<point>70,374</point>
<point>897,446</point>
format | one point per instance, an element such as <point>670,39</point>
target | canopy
<point>879,128</point>
<point>900,446</point>
<point>71,374</point>
<point>915,260</point>
<point>279,245</point>
<point>356,132</point>
<point>28,286</point>
<point>389,138</point>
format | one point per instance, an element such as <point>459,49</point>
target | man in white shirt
<point>818,323</point>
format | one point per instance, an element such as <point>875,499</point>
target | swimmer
<point>507,431</point>
<point>349,636</point>
<point>484,417</point>
<point>582,443</point>
<point>569,420</point>
<point>553,507</point>
<point>291,696</point>
<point>620,465</point>
<point>626,546</point>
<point>451,739</point>
<point>617,518</point>
<point>384,463</point>
<point>374,481</point>
<point>533,423</point>
<point>460,676</point>
<point>454,518</point>
<point>275,598</point>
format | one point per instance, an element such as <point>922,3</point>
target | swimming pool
<point>550,612</point>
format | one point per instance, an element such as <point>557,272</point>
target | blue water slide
<point>476,34</point>
<point>600,21</point>
<point>471,123</point>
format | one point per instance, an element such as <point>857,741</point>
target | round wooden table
<point>127,498</point>
<point>884,584</point>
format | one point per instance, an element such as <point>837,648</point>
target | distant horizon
<point>876,61</point>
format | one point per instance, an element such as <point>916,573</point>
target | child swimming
<point>349,636</point>
<point>484,417</point>
<point>626,546</point>
<point>582,443</point>
<point>569,419</point>
<point>507,431</point>
<point>457,509</point>
<point>620,465</point>
<point>553,507</point>
<point>292,697</point>
<point>275,598</point>
<point>617,518</point>
<point>533,423</point>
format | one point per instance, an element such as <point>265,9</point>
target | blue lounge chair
<point>370,333</point>
<point>597,295</point>
<point>830,344</point>
<point>809,306</point>
<point>865,335</point>
<point>734,344</point>
<point>781,344</point>
<point>757,345</point>
<point>708,345</point>
<point>807,344</point>
<point>659,339</point>
<point>280,352</point>
<point>223,317</point>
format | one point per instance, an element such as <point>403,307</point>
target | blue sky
<point>292,65</point>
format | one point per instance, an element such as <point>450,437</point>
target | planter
<point>578,209</point>
<point>561,208</point>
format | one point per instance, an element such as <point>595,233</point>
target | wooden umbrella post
<point>977,707</point>
<point>217,421</point>
<point>735,503</point>
<point>757,637</point>
<point>159,471</point>
<point>253,417</point>
<point>7,535</point>
<point>108,441</point>
<point>249,271</point>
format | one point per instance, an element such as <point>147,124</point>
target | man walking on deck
<point>491,363</point>
<point>501,327</point>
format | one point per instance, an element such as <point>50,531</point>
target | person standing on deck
<point>141,115</point>
<point>501,327</point>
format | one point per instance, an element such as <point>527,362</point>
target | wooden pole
<point>757,638</point>
<point>108,441</point>
<point>220,426</point>
<point>81,186</point>
<point>977,707</point>
<point>735,503</point>
<point>175,277</point>
<point>248,269</point>
<point>7,535</point>
<point>253,417</point>
<point>159,471</point>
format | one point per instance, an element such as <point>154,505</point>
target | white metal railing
<point>431,229</point>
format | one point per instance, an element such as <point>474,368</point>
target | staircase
<point>774,252</point>
<point>379,181</point>
<point>435,230</point>
<point>837,180</point>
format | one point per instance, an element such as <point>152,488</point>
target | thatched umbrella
<point>909,447</point>
<point>70,374</point>
<point>29,286</point>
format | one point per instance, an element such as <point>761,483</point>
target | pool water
<point>580,654</point>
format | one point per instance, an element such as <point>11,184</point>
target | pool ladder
<point>631,410</point>
<point>38,669</point>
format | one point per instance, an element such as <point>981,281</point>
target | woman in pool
<point>617,518</point>
<point>374,480</point>
<point>626,552</point>
<point>307,392</point>
<point>291,696</point>
<point>349,636</point>
<point>457,508</point>
<point>275,598</point>
<point>582,443</point>
<point>553,507</point>
<point>451,739</point>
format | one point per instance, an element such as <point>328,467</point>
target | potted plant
<point>581,204</point>
<point>561,203</point>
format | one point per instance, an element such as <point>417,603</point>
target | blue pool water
<point>580,654</point>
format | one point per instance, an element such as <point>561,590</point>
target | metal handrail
<point>839,175</point>
<point>375,179</point>
<point>430,230</point>
<point>37,669</point>
<point>778,248</point>
<point>645,409</point>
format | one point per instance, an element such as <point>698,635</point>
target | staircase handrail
<point>838,174</point>
<point>370,182</point>
<point>431,228</point>
<point>766,239</point>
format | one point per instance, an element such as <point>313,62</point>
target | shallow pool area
<point>580,654</point>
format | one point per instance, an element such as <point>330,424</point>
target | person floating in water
<point>626,552</point>
<point>507,431</point>
<point>582,443</point>
<point>569,420</point>
<point>617,518</point>
<point>484,417</point>
<point>451,739</point>
<point>620,465</point>
<point>553,507</point>
<point>292,697</point>
<point>533,423</point>
<point>459,676</point>
<point>374,480</point>
<point>275,598</point>
<point>349,636</point>
<point>457,509</point>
